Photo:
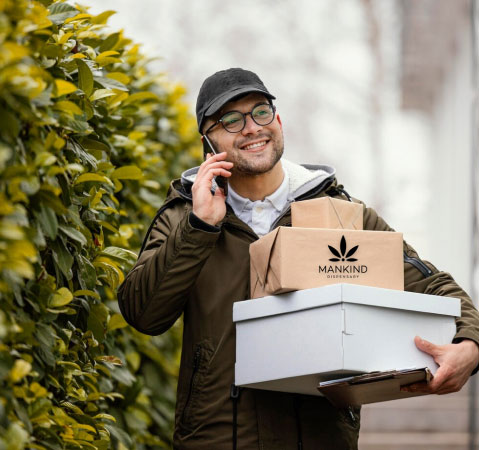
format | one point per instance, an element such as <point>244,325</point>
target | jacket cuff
<point>197,223</point>
<point>459,339</point>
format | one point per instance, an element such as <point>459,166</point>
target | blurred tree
<point>89,140</point>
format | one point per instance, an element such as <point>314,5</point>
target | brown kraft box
<point>289,259</point>
<point>327,212</point>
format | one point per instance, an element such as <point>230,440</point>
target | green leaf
<point>20,369</point>
<point>95,145</point>
<point>74,234</point>
<point>84,156</point>
<point>47,356</point>
<point>101,93</point>
<point>108,226</point>
<point>123,375</point>
<point>120,254</point>
<point>102,17</point>
<point>85,77</point>
<point>97,321</point>
<point>109,83</point>
<point>9,125</point>
<point>69,364</point>
<point>86,273</point>
<point>141,96</point>
<point>48,221</point>
<point>59,12</point>
<point>78,126</point>
<point>120,435</point>
<point>63,258</point>
<point>87,292</point>
<point>109,42</point>
<point>105,416</point>
<point>58,7</point>
<point>127,173</point>
<point>64,87</point>
<point>44,159</point>
<point>93,177</point>
<point>61,297</point>
<point>45,335</point>
<point>110,359</point>
<point>116,321</point>
<point>68,107</point>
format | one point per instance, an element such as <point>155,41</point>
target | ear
<point>279,121</point>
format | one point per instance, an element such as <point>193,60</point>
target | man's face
<point>254,150</point>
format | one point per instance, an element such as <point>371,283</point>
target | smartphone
<point>208,147</point>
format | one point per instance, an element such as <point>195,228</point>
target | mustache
<point>259,137</point>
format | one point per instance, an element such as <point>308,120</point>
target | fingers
<point>210,208</point>
<point>443,382</point>
<point>426,346</point>
<point>456,362</point>
<point>215,172</point>
<point>215,165</point>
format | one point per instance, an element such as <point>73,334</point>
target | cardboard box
<point>291,342</point>
<point>327,212</point>
<point>290,259</point>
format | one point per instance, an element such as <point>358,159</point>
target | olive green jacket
<point>192,268</point>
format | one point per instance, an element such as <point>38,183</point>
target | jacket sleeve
<point>421,276</point>
<point>155,291</point>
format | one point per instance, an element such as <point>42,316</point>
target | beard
<point>246,164</point>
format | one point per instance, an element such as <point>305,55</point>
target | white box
<point>291,342</point>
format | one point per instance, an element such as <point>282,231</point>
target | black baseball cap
<point>224,86</point>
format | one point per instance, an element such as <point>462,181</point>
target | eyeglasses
<point>235,121</point>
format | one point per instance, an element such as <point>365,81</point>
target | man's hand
<point>456,363</point>
<point>210,208</point>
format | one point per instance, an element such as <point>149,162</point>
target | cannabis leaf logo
<point>342,255</point>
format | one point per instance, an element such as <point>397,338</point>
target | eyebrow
<point>222,111</point>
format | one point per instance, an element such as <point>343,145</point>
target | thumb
<point>426,346</point>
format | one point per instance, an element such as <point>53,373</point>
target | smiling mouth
<point>254,145</point>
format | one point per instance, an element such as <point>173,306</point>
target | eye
<point>232,119</point>
<point>261,111</point>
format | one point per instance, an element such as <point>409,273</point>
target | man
<point>196,262</point>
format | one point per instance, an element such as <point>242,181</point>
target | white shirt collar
<point>278,199</point>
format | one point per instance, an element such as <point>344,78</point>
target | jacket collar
<point>302,179</point>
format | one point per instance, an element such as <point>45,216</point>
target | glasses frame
<point>220,120</point>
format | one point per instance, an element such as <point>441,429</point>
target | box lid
<point>344,293</point>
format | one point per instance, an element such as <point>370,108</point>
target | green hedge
<point>89,139</point>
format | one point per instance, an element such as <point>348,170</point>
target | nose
<point>251,126</point>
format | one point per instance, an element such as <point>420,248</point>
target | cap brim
<point>231,95</point>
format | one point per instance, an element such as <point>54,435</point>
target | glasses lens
<point>233,121</point>
<point>263,114</point>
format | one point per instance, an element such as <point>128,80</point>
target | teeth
<point>258,144</point>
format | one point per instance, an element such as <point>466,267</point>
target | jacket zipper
<point>351,414</point>
<point>419,265</point>
<point>193,380</point>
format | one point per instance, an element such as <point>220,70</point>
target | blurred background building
<point>384,90</point>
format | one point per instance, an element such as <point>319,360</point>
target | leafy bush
<point>89,139</point>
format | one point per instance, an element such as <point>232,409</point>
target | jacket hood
<point>302,178</point>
